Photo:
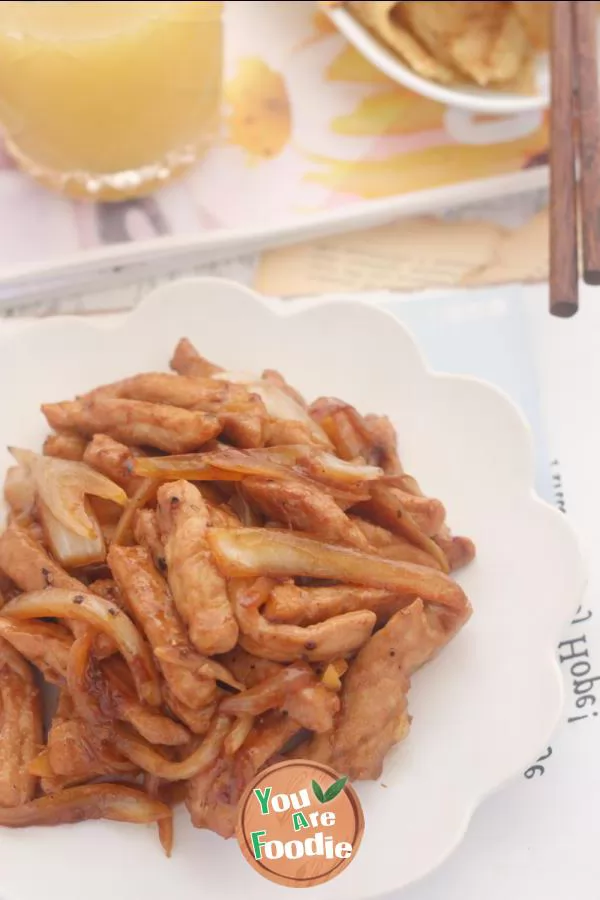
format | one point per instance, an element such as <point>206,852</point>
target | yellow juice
<point>109,99</point>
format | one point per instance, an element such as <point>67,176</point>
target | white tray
<point>347,148</point>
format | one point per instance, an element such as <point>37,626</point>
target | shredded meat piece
<point>135,423</point>
<point>20,727</point>
<point>199,590</point>
<point>374,712</point>
<point>305,508</point>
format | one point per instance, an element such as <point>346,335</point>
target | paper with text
<point>409,255</point>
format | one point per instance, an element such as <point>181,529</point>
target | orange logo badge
<point>300,824</point>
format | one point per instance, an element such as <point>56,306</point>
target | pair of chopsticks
<point>574,112</point>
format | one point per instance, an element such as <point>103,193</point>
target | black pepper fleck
<point>175,501</point>
<point>113,611</point>
<point>78,599</point>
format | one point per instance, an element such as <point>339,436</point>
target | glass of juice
<point>108,100</point>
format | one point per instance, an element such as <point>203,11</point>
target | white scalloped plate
<point>482,711</point>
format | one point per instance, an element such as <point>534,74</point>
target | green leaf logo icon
<point>334,789</point>
<point>318,791</point>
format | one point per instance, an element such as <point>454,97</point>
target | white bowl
<point>482,711</point>
<point>473,98</point>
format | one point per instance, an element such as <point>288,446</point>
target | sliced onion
<point>166,831</point>
<point>280,405</point>
<point>233,464</point>
<point>243,510</point>
<point>317,463</point>
<point>19,491</point>
<point>386,509</point>
<point>339,470</point>
<point>320,463</point>
<point>102,615</point>
<point>63,485</point>
<point>240,553</point>
<point>242,727</point>
<point>145,492</point>
<point>189,466</point>
<point>150,760</point>
<point>270,693</point>
<point>72,550</point>
<point>98,801</point>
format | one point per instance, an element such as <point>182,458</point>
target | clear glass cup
<point>108,100</point>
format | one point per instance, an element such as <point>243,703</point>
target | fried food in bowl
<point>490,57</point>
<point>485,43</point>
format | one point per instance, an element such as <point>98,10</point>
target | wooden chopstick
<point>575,101</point>
<point>586,68</point>
<point>564,288</point>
